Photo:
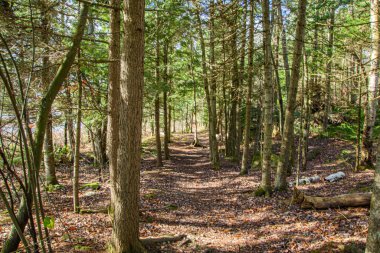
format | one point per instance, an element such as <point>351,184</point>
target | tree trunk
<point>328,70</point>
<point>77,143</point>
<point>125,229</point>
<point>247,129</point>
<point>231,144</point>
<point>268,103</point>
<point>373,238</point>
<point>367,154</point>
<point>239,128</point>
<point>166,81</point>
<point>113,94</point>
<point>157,98</point>
<point>49,162</point>
<point>287,140</point>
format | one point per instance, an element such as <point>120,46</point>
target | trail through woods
<point>215,209</point>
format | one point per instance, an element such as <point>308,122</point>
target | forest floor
<point>217,210</point>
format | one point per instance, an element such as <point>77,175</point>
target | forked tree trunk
<point>125,229</point>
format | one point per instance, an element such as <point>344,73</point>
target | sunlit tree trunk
<point>125,229</point>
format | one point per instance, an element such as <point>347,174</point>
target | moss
<point>151,195</point>
<point>172,207</point>
<point>54,187</point>
<point>92,186</point>
<point>82,248</point>
<point>260,192</point>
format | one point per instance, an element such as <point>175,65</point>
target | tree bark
<point>287,140</point>
<point>125,229</point>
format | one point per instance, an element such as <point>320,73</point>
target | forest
<point>133,126</point>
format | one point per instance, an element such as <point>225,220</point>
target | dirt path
<point>215,209</point>
<point>219,214</point>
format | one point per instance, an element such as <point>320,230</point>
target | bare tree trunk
<point>247,129</point>
<point>113,94</point>
<point>367,154</point>
<point>328,70</point>
<point>287,140</point>
<point>49,162</point>
<point>157,98</point>
<point>265,184</point>
<point>166,80</point>
<point>239,128</point>
<point>77,143</point>
<point>125,230</point>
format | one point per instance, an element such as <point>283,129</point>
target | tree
<point>125,229</point>
<point>247,128</point>
<point>367,154</point>
<point>265,185</point>
<point>280,182</point>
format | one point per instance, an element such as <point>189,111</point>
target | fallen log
<point>344,200</point>
<point>154,240</point>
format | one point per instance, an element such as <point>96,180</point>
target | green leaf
<point>49,222</point>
